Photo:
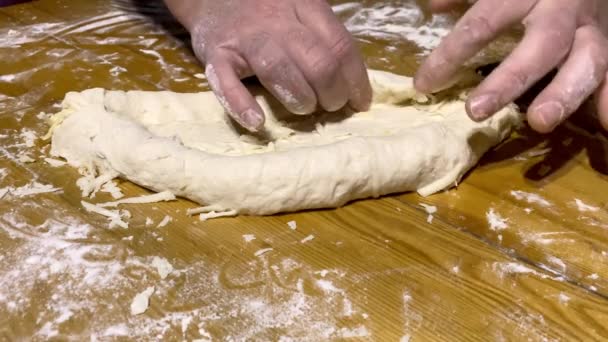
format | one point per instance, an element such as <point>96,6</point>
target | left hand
<point>569,34</point>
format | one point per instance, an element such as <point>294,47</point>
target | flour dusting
<point>33,188</point>
<point>509,267</point>
<point>70,272</point>
<point>406,21</point>
<point>584,207</point>
<point>496,222</point>
<point>555,261</point>
<point>530,198</point>
<point>292,225</point>
<point>248,237</point>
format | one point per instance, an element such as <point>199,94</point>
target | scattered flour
<point>292,225</point>
<point>496,222</point>
<point>530,198</point>
<point>430,210</point>
<point>557,262</point>
<point>163,267</point>
<point>29,137</point>
<point>412,319</point>
<point>117,70</point>
<point>263,251</point>
<point>248,237</point>
<point>307,239</point>
<point>86,269</point>
<point>564,298</point>
<point>583,207</point>
<point>165,221</point>
<point>25,158</point>
<point>544,238</point>
<point>405,21</point>
<point>512,267</point>
<point>117,331</point>
<point>360,331</point>
<point>55,162</point>
<point>140,302</point>
<point>33,188</point>
<point>327,286</point>
<point>504,268</point>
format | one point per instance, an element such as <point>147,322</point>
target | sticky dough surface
<point>185,143</point>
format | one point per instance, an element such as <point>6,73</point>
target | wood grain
<point>373,270</point>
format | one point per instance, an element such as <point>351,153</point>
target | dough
<point>185,144</point>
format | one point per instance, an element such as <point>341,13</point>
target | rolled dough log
<point>185,144</point>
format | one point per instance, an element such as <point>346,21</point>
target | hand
<point>298,49</point>
<point>568,34</point>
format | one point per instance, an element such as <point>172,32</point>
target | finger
<point>601,102</point>
<point>318,17</point>
<point>224,80</point>
<point>478,27</point>
<point>577,79</point>
<point>547,41</point>
<point>280,75</point>
<point>319,67</point>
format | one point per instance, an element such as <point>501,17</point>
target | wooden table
<point>519,251</point>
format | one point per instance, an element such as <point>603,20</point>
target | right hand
<point>298,49</point>
<point>570,35</point>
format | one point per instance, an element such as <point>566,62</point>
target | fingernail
<point>482,106</point>
<point>251,119</point>
<point>550,114</point>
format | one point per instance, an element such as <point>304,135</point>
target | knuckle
<point>516,77</point>
<point>323,67</point>
<point>342,47</point>
<point>257,42</point>
<point>561,40</point>
<point>478,29</point>
<point>305,40</point>
<point>596,46</point>
<point>272,66</point>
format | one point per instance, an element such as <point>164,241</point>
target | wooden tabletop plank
<point>375,269</point>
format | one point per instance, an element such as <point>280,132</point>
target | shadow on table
<point>582,131</point>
